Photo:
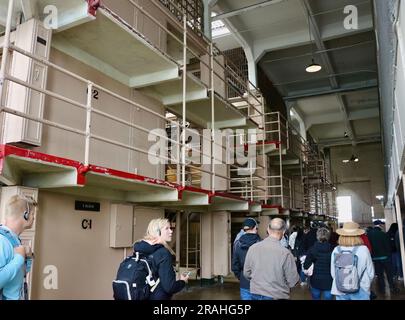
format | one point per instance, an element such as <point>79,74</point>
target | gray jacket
<point>271,269</point>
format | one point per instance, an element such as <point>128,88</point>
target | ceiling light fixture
<point>352,159</point>
<point>313,67</point>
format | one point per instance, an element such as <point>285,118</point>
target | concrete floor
<point>229,290</point>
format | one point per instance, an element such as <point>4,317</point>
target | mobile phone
<point>186,273</point>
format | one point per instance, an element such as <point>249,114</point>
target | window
<point>218,27</point>
<point>344,205</point>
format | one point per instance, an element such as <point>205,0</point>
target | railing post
<point>183,145</point>
<point>88,123</point>
<point>251,175</point>
<point>212,118</point>
<point>280,159</point>
<point>6,47</point>
<point>178,158</point>
<point>264,158</point>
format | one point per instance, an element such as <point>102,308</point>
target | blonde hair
<point>154,230</point>
<point>17,205</point>
<point>350,241</point>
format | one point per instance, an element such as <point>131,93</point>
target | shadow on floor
<point>230,291</point>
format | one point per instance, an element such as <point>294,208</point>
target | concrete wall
<point>363,180</point>
<point>390,26</point>
<point>85,263</point>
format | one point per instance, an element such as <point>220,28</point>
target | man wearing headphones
<point>15,259</point>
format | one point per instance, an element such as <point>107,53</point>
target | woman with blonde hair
<point>154,245</point>
<point>350,242</point>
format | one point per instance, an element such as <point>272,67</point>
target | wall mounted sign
<point>87,206</point>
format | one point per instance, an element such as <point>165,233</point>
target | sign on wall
<point>87,206</point>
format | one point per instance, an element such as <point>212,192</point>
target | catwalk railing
<point>89,111</point>
<point>297,175</point>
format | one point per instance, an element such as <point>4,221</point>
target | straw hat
<point>350,229</point>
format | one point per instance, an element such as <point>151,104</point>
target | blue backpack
<point>135,278</point>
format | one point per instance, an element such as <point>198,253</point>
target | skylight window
<point>218,27</point>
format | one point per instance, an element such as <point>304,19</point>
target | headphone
<point>26,213</point>
<point>158,230</point>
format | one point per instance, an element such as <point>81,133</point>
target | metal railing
<point>90,111</point>
<point>297,175</point>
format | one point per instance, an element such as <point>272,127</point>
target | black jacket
<point>308,241</point>
<point>320,255</point>
<point>380,243</point>
<point>163,268</point>
<point>239,255</point>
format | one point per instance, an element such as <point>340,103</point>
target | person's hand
<point>28,252</point>
<point>184,277</point>
<point>20,250</point>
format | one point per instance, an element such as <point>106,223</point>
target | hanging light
<point>313,67</point>
<point>354,158</point>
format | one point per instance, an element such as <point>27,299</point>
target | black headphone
<point>26,213</point>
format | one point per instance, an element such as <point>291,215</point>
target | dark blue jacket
<point>238,260</point>
<point>320,255</point>
<point>162,267</point>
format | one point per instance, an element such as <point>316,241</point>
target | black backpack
<point>135,278</point>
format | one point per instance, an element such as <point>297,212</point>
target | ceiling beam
<point>334,75</point>
<point>366,113</point>
<point>245,9</point>
<point>323,118</point>
<point>345,141</point>
<point>332,117</point>
<point>362,87</point>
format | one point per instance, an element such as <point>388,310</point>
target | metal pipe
<point>67,72</point>
<point>43,121</point>
<point>187,240</point>
<point>49,93</point>
<point>178,239</point>
<point>184,69</point>
<point>4,60</point>
<point>212,90</point>
<point>119,144</point>
<point>88,123</point>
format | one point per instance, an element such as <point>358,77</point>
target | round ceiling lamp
<point>313,67</point>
